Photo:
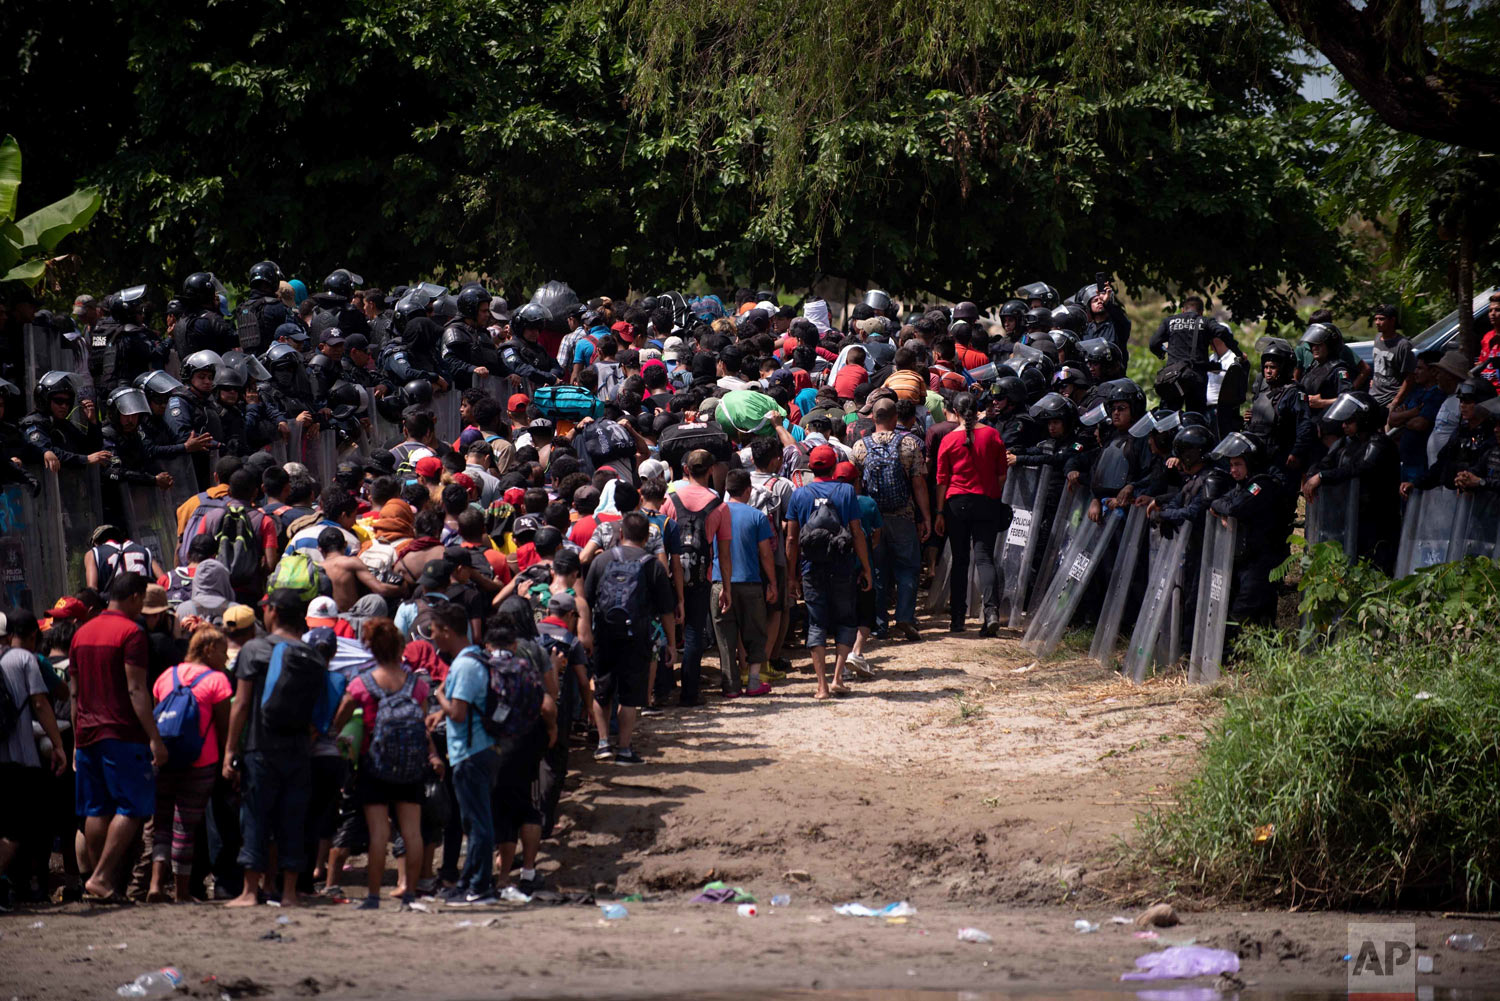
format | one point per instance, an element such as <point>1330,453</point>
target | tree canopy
<point>944,147</point>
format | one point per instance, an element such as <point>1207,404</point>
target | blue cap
<point>292,331</point>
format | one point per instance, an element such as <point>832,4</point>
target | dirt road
<point>984,791</point>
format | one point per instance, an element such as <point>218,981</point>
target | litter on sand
<point>974,935</point>
<point>899,909</point>
<point>1085,927</point>
<point>719,892</point>
<point>1183,961</point>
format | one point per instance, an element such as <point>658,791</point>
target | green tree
<point>27,244</point>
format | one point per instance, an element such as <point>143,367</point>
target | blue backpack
<point>177,723</point>
<point>885,478</point>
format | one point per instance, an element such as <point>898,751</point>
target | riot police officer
<point>467,353</point>
<point>1329,377</point>
<point>51,430</point>
<point>1184,340</point>
<point>1367,454</point>
<point>289,394</point>
<point>15,451</point>
<point>334,306</point>
<point>413,352</point>
<point>201,327</point>
<point>522,355</point>
<point>134,348</point>
<point>133,457</point>
<point>188,409</point>
<point>158,387</point>
<point>264,311</point>
<point>245,427</point>
<point>358,364</point>
<point>1008,415</point>
<point>1279,418</point>
<point>1257,502</point>
<point>1122,460</point>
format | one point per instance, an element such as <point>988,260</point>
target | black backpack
<point>697,547</point>
<point>621,605</point>
<point>824,537</point>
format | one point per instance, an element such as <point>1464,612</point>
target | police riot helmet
<point>1098,351</point>
<point>266,277</point>
<point>1042,292</point>
<point>417,393</point>
<point>230,377</point>
<point>1014,308</point>
<point>1073,375</point>
<point>199,290</point>
<point>249,364</point>
<point>52,384</point>
<point>1035,379</point>
<point>1218,482</point>
<point>324,370</point>
<point>342,283</point>
<point>1093,416</point>
<point>1475,389</point>
<point>1237,444</point>
<point>1360,407</point>
<point>127,303</point>
<point>126,401</point>
<point>877,300</point>
<point>1065,341</point>
<point>444,306</point>
<point>1054,407</point>
<point>1192,443</point>
<point>157,383</point>
<point>414,303</point>
<point>1070,316</point>
<point>966,310</point>
<point>1039,318</point>
<point>473,301</point>
<point>532,316</point>
<point>282,354</point>
<point>1124,391</point>
<point>1322,333</point>
<point>200,361</point>
<point>1009,387</point>
<point>345,400</point>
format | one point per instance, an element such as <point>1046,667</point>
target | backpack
<point>885,478</point>
<point>177,723</point>
<point>234,529</point>
<point>697,547</point>
<point>767,504</point>
<point>535,586</point>
<point>421,626</point>
<point>296,684</point>
<point>610,380</point>
<point>620,604</point>
<point>297,572</point>
<point>398,743</point>
<point>513,700</point>
<point>179,586</point>
<point>824,536</point>
<point>111,558</point>
<point>571,403</point>
<point>604,441</point>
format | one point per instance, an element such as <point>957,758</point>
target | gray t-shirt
<point>1390,364</point>
<point>23,679</point>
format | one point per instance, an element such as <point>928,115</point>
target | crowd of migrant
<point>280,575</point>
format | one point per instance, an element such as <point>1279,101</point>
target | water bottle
<point>747,910</point>
<point>163,981</point>
<point>1466,943</point>
<point>781,900</point>
<point>613,912</point>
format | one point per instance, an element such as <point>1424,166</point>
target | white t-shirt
<point>23,679</point>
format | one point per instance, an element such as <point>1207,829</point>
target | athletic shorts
<point>372,791</point>
<point>622,670</point>
<point>115,777</point>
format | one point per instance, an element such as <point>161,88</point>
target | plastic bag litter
<point>1183,961</point>
<point>899,909</point>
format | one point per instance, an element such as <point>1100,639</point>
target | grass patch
<point>1361,768</point>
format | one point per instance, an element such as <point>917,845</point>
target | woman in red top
<point>970,475</point>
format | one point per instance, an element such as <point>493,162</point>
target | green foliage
<point>27,244</point>
<point>1362,772</point>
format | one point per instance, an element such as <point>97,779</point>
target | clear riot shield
<point>1071,515</point>
<point>151,520</point>
<point>27,574</point>
<point>1066,591</point>
<point>1156,609</point>
<point>445,411</point>
<point>320,454</point>
<point>1107,631</point>
<point>1215,578</point>
<point>294,442</point>
<point>1333,516</point>
<point>1431,524</point>
<point>383,433</point>
<point>75,506</point>
<point>1025,491</point>
<point>1481,527</point>
<point>279,452</point>
<point>493,386</point>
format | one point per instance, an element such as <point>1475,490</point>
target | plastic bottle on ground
<point>613,912</point>
<point>1466,943</point>
<point>158,982</point>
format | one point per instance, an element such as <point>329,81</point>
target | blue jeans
<point>275,789</point>
<point>697,633</point>
<point>473,780</point>
<point>898,561</point>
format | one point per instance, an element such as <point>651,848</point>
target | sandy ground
<point>985,791</point>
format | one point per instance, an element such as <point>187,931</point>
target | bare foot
<point>823,696</point>
<point>291,901</point>
<point>98,889</point>
<point>244,900</point>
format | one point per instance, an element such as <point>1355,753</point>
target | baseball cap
<point>284,599</point>
<point>561,603</point>
<point>1385,309</point>
<point>500,310</point>
<point>542,423</point>
<point>882,407</point>
<point>357,342</point>
<point>845,472</point>
<point>322,639</point>
<point>436,573</point>
<point>623,330</point>
<point>566,561</point>
<point>464,480</point>
<point>156,600</point>
<point>671,343</point>
<point>517,401</point>
<point>82,303</point>
<point>237,617</point>
<point>68,607</point>
<point>823,459</point>
<point>295,331</point>
<point>333,335</point>
<point>322,609</point>
<point>429,467</point>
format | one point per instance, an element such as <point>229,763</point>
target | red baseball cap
<point>845,472</point>
<point>429,467</point>
<point>514,496</point>
<point>823,459</point>
<point>624,331</point>
<point>518,401</point>
<point>68,607</point>
<point>464,480</point>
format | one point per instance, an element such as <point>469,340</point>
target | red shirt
<point>979,469</point>
<point>849,377</point>
<point>582,530</point>
<point>96,660</point>
<point>968,357</point>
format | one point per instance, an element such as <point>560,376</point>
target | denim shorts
<point>830,596</point>
<point>115,777</point>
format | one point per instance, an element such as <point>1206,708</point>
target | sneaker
<point>511,895</point>
<point>427,887</point>
<point>991,625</point>
<point>603,752</point>
<point>628,757</point>
<point>782,664</point>
<point>734,694</point>
<point>909,630</point>
<point>454,896</point>
<point>859,666</point>
<point>531,885</point>
<point>485,899</point>
<point>761,689</point>
<point>368,904</point>
<point>770,673</point>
